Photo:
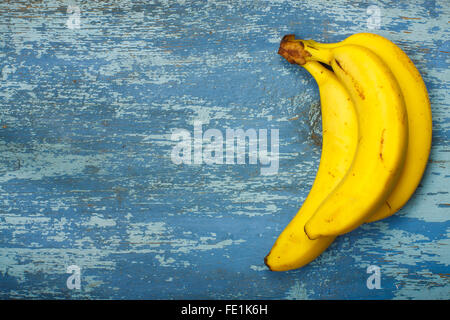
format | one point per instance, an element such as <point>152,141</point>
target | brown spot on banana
<point>389,206</point>
<point>382,144</point>
<point>355,84</point>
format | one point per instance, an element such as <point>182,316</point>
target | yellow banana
<point>293,249</point>
<point>382,136</point>
<point>418,110</point>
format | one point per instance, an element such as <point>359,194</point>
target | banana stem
<point>300,51</point>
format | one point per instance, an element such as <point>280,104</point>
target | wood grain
<point>86,177</point>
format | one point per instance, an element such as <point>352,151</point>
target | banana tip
<point>309,234</point>
<point>266,263</point>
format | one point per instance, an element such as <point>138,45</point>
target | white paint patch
<point>297,292</point>
<point>49,160</point>
<point>258,268</point>
<point>163,261</point>
<point>187,246</point>
<point>101,222</point>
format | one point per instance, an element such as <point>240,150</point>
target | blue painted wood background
<point>87,109</point>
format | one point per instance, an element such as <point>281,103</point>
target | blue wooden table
<point>94,202</point>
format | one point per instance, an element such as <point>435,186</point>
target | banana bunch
<point>376,123</point>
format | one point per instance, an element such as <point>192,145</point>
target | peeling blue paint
<point>86,176</point>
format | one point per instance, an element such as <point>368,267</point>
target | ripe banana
<point>382,136</point>
<point>293,249</point>
<point>418,110</point>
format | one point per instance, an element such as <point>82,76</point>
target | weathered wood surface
<point>86,177</point>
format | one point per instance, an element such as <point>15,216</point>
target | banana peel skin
<point>293,249</point>
<point>382,140</point>
<point>398,153</point>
